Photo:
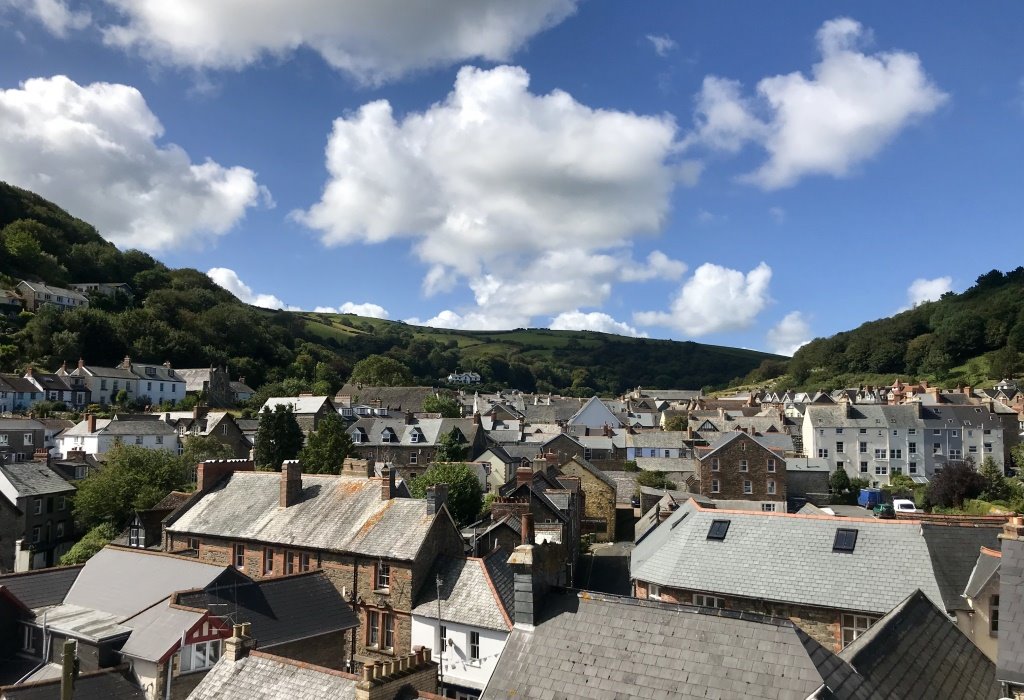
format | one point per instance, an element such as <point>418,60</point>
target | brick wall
<point>327,650</point>
<point>730,477</point>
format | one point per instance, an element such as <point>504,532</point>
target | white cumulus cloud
<point>95,150</point>
<point>55,15</point>
<point>663,44</point>
<point>851,106</point>
<point>789,334</point>
<point>229,280</point>
<point>368,310</point>
<point>531,200</point>
<point>594,321</point>
<point>922,290</point>
<point>372,41</point>
<point>658,266</point>
<point>713,300</point>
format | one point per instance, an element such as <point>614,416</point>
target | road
<point>606,569</point>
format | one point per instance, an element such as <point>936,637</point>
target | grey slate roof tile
<point>475,592</point>
<point>37,589</point>
<point>34,479</point>
<point>257,676</point>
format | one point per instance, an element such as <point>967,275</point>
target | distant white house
<point>36,295</point>
<point>463,378</point>
<point>96,436</point>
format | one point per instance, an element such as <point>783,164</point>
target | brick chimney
<point>524,475</point>
<point>81,363</point>
<point>437,498</point>
<point>387,483</point>
<point>90,422</point>
<point>28,372</point>
<point>126,363</point>
<point>239,644</point>
<point>526,528</point>
<point>291,482</point>
<point>406,675</point>
<point>210,472</point>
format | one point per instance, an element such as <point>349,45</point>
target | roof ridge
<point>302,664</point>
<point>808,516</point>
<point>991,552</point>
<point>38,572</point>
<point>684,607</point>
<point>494,593</point>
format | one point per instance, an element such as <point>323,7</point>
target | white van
<point>903,505</point>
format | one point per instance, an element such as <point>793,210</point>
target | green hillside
<point>182,316</point>
<point>969,338</point>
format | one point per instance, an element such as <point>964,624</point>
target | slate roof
<point>335,513</point>
<point>282,609</point>
<point>1010,661</point>
<point>474,592</point>
<point>260,675</point>
<point>107,372</point>
<point>108,684</point>
<point>790,558</point>
<point>600,475</point>
<point>916,651</point>
<point>725,438</point>
<point>954,552</point>
<point>986,567</point>
<point>396,398</point>
<point>122,426</point>
<point>429,430</point>
<point>20,384</point>
<point>34,479</point>
<point>602,647</point>
<point>158,630</point>
<point>625,485</point>
<point>301,405</point>
<point>673,439</point>
<point>37,589</point>
<point>159,374</point>
<point>195,378</point>
<point>50,382</point>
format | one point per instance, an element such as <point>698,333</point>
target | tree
<point>996,486</point>
<point>899,483</point>
<point>447,406</point>
<point>378,370</point>
<point>199,448</point>
<point>450,447</point>
<point>956,482</point>
<point>133,478</point>
<point>655,480</point>
<point>278,438</point>
<point>839,481</point>
<point>677,423</point>
<point>93,541</point>
<point>326,448</point>
<point>465,495</point>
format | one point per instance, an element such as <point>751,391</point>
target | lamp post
<point>442,644</point>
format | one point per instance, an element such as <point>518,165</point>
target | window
<point>743,447</point>
<point>879,453</point>
<point>986,431</point>
<point>972,449</point>
<point>895,433</point>
<point>771,487</point>
<point>897,469</point>
<point>193,543</point>
<point>715,486</point>
<point>413,458</point>
<point>385,436</point>
<point>35,535</point>
<point>707,601</point>
<point>955,454</point>
<point>149,386</point>
<point>845,540</point>
<point>37,505</point>
<point>136,536</point>
<point>771,465</point>
<point>61,503</point>
<point>60,529</point>
<point>748,487</point>
<point>81,472</point>
<point>304,561</point>
<point>223,428</point>
<point>199,656</point>
<point>896,453</point>
<point>668,453</point>
<point>161,387</point>
<point>862,447</point>
<point>839,431</point>
<point>854,626</point>
<point>912,468</point>
<point>415,436</point>
<point>988,447</point>
<point>383,579</point>
<point>103,384</point>
<point>268,561</point>
<point>881,469</point>
<point>822,453</point>
<point>27,439</point>
<point>911,431</point>
<point>863,431</point>
<point>993,615</point>
<point>474,646</point>
<point>653,591</point>
<point>28,638</point>
<point>954,433</point>
<point>138,439</point>
<point>443,638</point>
<point>840,448</point>
<point>719,529</point>
<point>936,447</point>
<point>159,439</point>
<point>373,628</point>
<point>912,448</point>
<point>714,464</point>
<point>863,467</point>
<point>743,465</point>
<point>240,556</point>
<point>290,560</point>
<point>388,623</point>
<point>767,507</point>
<point>4,439</point>
<point>937,431</point>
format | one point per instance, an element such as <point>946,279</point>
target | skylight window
<point>845,540</point>
<point>718,530</point>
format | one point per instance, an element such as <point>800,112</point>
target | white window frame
<point>716,486</point>
<point>771,487</point>
<point>200,656</point>
<point>136,536</point>
<point>238,555</point>
<point>715,466</point>
<point>771,465</point>
<point>767,507</point>
<point>382,576</point>
<point>748,487</point>
<point>28,638</point>
<point>653,591</point>
<point>37,506</point>
<point>854,626</point>
<point>28,438</point>
<point>744,465</point>
<point>708,601</point>
<point>822,453</point>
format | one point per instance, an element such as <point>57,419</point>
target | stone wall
<point>599,500</point>
<point>731,478</point>
<point>328,650</point>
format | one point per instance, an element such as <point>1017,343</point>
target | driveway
<point>606,569</point>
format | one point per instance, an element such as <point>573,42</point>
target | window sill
<point>382,591</point>
<point>389,651</point>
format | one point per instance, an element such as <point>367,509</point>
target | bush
<point>655,480</point>
<point>465,495</point>
<point>93,541</point>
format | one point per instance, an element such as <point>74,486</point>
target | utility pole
<point>443,643</point>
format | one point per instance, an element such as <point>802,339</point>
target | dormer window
<point>151,371</point>
<point>414,436</point>
<point>385,435</point>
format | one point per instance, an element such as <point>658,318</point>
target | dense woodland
<point>181,316</point>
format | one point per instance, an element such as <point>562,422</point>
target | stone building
<point>36,524</point>
<point>738,466</point>
<point>375,547</point>
<point>599,494</point>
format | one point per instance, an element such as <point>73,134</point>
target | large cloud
<point>853,104</point>
<point>713,300</point>
<point>922,290</point>
<point>95,150</point>
<point>55,15</point>
<point>593,321</point>
<point>373,41</point>
<point>532,199</point>
<point>369,310</point>
<point>229,280</point>
<point>789,334</point>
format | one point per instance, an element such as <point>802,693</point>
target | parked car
<point>904,505</point>
<point>884,511</point>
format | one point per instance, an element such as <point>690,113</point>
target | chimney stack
<point>387,483</point>
<point>208,473</point>
<point>126,363</point>
<point>476,418</point>
<point>237,647</point>
<point>28,371</point>
<point>90,422</point>
<point>291,482</point>
<point>526,527</point>
<point>524,475</point>
<point>410,419</point>
<point>167,364</point>
<point>81,363</point>
<point>437,498</point>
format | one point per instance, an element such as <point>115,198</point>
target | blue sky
<point>748,174</point>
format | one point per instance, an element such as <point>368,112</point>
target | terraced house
<point>410,443</point>
<point>375,547</point>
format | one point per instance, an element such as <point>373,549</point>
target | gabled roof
<point>105,372</point>
<point>916,651</point>
<point>594,471</point>
<point>589,645</point>
<point>41,288</point>
<point>50,382</point>
<point>954,553</point>
<point>37,589</point>
<point>301,405</point>
<point>789,558</point>
<point>260,675</point>
<point>726,438</point>
<point>341,513</point>
<point>31,479</point>
<point>985,569</point>
<point>160,373</point>
<point>474,592</point>
<point>20,384</point>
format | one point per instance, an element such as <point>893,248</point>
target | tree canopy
<point>957,482</point>
<point>327,447</point>
<point>378,370</point>
<point>450,447</point>
<point>278,438</point>
<point>465,495</point>
<point>655,479</point>
<point>447,406</point>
